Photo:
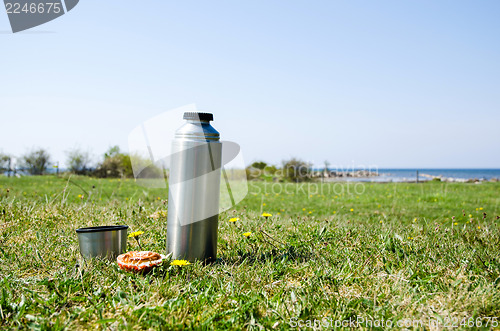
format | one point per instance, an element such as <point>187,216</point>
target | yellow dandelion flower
<point>334,211</point>
<point>247,234</point>
<point>310,212</point>
<point>380,222</point>
<point>303,209</point>
<point>480,208</point>
<point>266,215</point>
<point>135,234</point>
<point>180,263</point>
<point>455,223</point>
<point>352,209</point>
<point>479,227</point>
<point>126,198</point>
<point>378,206</point>
<point>234,219</point>
<point>279,213</point>
<point>264,204</point>
<point>470,215</point>
<point>158,198</point>
<point>477,209</point>
<point>79,195</point>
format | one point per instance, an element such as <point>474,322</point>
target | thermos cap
<point>198,116</point>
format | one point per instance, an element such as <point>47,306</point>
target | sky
<point>391,84</point>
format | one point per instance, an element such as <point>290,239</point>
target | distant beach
<point>410,175</point>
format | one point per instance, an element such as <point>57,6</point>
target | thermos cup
<point>194,189</point>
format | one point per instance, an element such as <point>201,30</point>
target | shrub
<point>36,161</point>
<point>78,161</point>
<point>297,170</point>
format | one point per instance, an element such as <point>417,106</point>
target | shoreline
<point>382,178</point>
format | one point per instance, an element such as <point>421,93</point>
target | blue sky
<point>384,83</point>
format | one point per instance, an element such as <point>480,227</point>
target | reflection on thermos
<point>194,188</point>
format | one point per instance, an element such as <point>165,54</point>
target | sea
<point>406,175</point>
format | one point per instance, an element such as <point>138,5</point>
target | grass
<point>378,252</point>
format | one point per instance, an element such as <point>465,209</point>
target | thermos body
<point>194,189</point>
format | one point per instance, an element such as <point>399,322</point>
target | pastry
<point>139,260</point>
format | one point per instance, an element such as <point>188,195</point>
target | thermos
<point>194,189</point>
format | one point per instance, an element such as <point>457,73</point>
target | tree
<point>118,164</point>
<point>326,170</point>
<point>297,170</point>
<point>36,161</point>
<point>255,170</point>
<point>115,164</point>
<point>78,161</point>
<point>4,163</point>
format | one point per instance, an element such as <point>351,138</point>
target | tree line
<point>37,161</point>
<point>115,163</point>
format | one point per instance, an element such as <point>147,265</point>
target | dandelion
<point>303,209</point>
<point>480,208</point>
<point>180,263</point>
<point>79,195</point>
<point>282,210</point>
<point>158,198</point>
<point>279,213</point>
<point>378,206</point>
<point>310,212</point>
<point>352,209</point>
<point>264,204</point>
<point>479,227</point>
<point>126,198</point>
<point>247,234</point>
<point>334,212</point>
<point>234,219</point>
<point>470,215</point>
<point>414,220</point>
<point>135,234</point>
<point>266,215</point>
<point>455,223</point>
<point>380,222</point>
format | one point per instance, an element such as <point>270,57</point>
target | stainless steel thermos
<point>194,189</point>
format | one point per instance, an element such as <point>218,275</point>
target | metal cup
<point>102,241</point>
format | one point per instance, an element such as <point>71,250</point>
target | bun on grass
<point>139,261</point>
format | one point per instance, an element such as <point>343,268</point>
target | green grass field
<point>372,253</point>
